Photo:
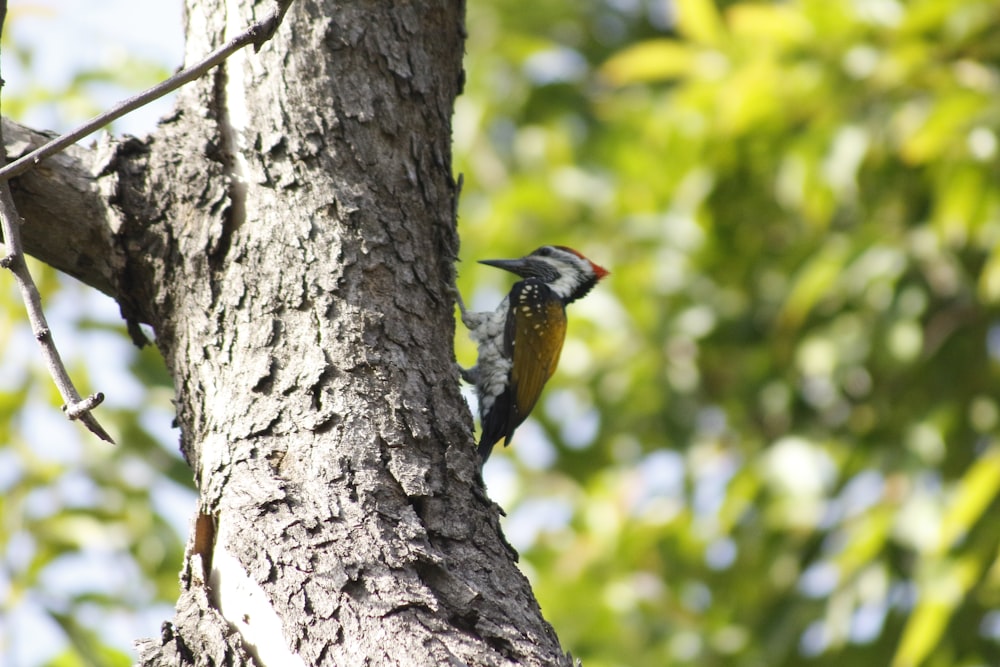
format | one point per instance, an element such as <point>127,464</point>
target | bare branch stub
<point>78,409</point>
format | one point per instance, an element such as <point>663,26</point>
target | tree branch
<point>75,406</point>
<point>68,222</point>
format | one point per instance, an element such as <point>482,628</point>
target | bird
<point>519,343</point>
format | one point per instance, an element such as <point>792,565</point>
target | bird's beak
<point>513,265</point>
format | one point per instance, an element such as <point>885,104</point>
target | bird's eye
<point>544,251</point>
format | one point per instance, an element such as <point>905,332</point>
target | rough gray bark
<point>289,235</point>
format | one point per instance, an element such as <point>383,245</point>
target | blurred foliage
<point>773,437</point>
<point>89,532</point>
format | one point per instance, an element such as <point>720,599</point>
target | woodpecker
<point>519,343</point>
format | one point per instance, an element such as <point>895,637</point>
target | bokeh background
<point>773,436</point>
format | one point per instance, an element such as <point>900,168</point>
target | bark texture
<point>289,235</point>
<point>63,194</point>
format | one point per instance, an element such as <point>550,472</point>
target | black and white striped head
<point>567,273</point>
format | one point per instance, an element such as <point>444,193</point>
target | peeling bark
<point>289,235</point>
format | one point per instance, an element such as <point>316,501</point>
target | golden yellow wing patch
<point>538,340</point>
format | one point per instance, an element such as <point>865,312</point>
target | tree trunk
<point>289,234</point>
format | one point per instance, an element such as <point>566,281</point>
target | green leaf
<point>699,20</point>
<point>813,282</point>
<point>651,60</point>
<point>974,492</point>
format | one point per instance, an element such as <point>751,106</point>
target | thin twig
<point>10,222</point>
<point>256,34</point>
